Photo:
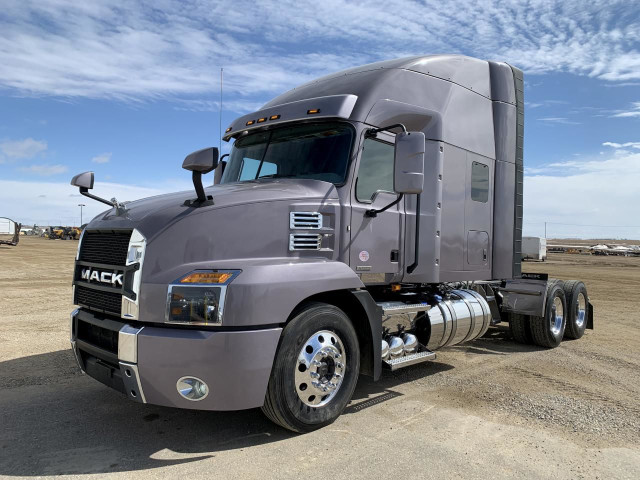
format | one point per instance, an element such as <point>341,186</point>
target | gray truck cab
<point>361,221</point>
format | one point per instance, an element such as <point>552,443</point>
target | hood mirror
<point>199,162</point>
<point>84,181</point>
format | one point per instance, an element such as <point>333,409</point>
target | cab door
<point>375,241</point>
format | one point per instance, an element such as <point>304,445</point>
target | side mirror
<point>83,180</point>
<point>408,165</point>
<point>202,161</point>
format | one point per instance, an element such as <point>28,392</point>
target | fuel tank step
<point>407,360</point>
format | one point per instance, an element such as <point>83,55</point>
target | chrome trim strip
<point>72,339</point>
<point>129,308</point>
<point>134,368</point>
<point>304,241</point>
<point>305,220</point>
<point>128,343</point>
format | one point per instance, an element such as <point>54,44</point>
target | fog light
<point>192,388</point>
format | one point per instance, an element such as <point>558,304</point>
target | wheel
<point>520,329</point>
<point>548,331</point>
<point>577,311</point>
<point>315,370</point>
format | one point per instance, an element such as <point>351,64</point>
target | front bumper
<point>146,362</point>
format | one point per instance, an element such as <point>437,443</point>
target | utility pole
<point>81,205</point>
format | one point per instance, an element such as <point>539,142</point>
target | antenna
<point>220,123</point>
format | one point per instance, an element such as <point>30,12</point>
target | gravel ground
<point>489,407</point>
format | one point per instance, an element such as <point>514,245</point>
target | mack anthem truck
<point>361,222</point>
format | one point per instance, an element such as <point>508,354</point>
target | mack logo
<point>102,277</point>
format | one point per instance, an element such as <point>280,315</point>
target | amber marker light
<point>207,277</point>
<point>274,117</point>
<point>251,122</point>
<point>312,111</point>
<point>263,119</point>
<point>227,130</point>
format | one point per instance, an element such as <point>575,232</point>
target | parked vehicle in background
<point>534,248</point>
<point>362,221</point>
<point>9,232</point>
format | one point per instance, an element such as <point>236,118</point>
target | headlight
<point>198,297</point>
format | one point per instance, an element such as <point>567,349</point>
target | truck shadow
<point>56,421</point>
<point>497,341</point>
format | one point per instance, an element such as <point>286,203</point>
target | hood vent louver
<point>305,220</point>
<point>304,241</point>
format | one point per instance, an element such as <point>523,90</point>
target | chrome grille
<point>106,302</point>
<point>305,220</point>
<point>104,250</point>
<point>304,241</point>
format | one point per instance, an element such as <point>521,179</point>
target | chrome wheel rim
<point>320,369</point>
<point>557,315</point>
<point>581,310</point>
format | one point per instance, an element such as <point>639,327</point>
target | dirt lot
<point>492,407</point>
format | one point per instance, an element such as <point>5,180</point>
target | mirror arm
<point>373,131</point>
<point>374,213</point>
<point>413,266</point>
<point>197,183</point>
<point>85,191</point>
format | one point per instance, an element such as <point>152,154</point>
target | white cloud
<point>44,170</point>
<point>559,120</point>
<point>57,202</point>
<point>593,192</point>
<point>141,51</point>
<point>102,158</point>
<point>633,112</point>
<point>622,145</point>
<point>22,149</point>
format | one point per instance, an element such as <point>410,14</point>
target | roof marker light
<point>227,130</point>
<point>312,111</point>
<point>263,119</point>
<point>274,117</point>
<point>251,122</point>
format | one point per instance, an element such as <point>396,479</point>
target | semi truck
<point>360,222</point>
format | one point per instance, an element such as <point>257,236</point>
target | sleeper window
<point>479,182</point>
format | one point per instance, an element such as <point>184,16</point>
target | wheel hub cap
<point>581,310</point>
<point>320,368</point>
<point>556,316</point>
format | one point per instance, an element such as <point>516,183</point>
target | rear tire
<point>318,350</point>
<point>547,331</point>
<point>520,328</point>
<point>577,309</point>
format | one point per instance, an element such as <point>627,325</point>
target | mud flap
<point>590,319</point>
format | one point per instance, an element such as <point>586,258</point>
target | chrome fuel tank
<point>462,317</point>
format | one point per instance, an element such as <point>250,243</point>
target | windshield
<point>318,151</point>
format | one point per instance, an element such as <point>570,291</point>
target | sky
<point>127,89</point>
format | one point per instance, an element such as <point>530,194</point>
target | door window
<point>376,170</point>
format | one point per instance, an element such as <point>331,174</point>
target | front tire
<point>315,371</point>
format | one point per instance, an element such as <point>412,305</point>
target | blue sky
<point>127,89</point>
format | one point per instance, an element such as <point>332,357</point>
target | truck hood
<point>154,214</point>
